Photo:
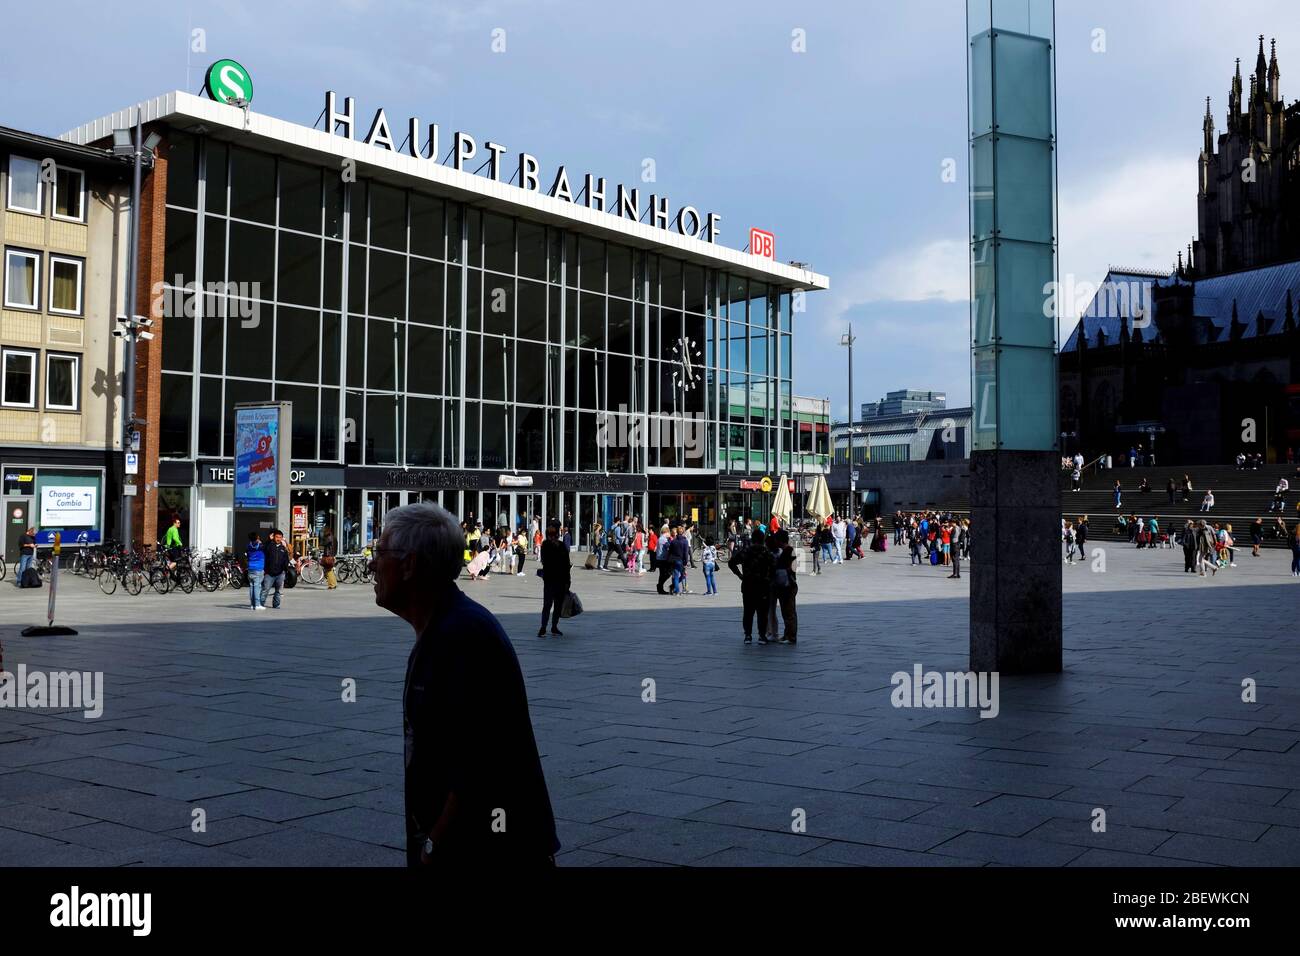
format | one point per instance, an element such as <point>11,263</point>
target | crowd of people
<point>940,539</point>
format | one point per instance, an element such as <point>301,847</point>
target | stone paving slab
<point>208,706</point>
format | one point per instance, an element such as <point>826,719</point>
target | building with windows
<point>444,334</point>
<point>905,401</point>
<point>63,235</point>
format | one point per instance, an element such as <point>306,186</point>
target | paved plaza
<point>211,707</point>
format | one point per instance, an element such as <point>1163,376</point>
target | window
<point>25,185</point>
<point>62,382</point>
<point>69,194</point>
<point>22,279</point>
<point>18,374</point>
<point>65,285</point>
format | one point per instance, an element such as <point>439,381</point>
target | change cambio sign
<point>257,457</point>
<point>68,507</point>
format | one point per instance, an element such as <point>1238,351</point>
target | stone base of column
<point>1015,596</point>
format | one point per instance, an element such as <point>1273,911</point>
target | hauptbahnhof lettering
<point>437,329</point>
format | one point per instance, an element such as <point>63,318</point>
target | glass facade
<point>409,330</point>
<point>1012,112</point>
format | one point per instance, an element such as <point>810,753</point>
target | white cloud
<point>1139,214</point>
<point>933,270</point>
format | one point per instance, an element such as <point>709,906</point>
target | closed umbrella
<point>782,506</point>
<point>819,499</point>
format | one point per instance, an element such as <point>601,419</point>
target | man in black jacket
<point>556,578</point>
<point>679,552</point>
<point>754,566</point>
<point>278,560</point>
<point>476,795</point>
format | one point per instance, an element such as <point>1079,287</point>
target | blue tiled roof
<point>1113,305</point>
<point>1255,291</point>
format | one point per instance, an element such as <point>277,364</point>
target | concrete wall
<point>911,485</point>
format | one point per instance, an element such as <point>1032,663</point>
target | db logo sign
<point>762,243</point>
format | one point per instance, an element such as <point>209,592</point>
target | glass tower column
<point>1015,495</point>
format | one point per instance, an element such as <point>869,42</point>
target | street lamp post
<point>139,152</point>
<point>847,340</point>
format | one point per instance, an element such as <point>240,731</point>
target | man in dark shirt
<point>556,578</point>
<point>26,554</point>
<point>679,552</point>
<point>278,560</point>
<point>754,566</point>
<point>475,791</point>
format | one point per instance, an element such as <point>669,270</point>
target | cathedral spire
<point>1208,126</point>
<point>1274,74</point>
<point>1234,101</point>
<point>1261,66</point>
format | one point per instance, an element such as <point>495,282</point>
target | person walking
<point>1206,549</point>
<point>957,535</point>
<point>1081,535</point>
<point>255,558</point>
<point>678,556</point>
<point>470,755</point>
<point>1256,536</point>
<point>617,544</point>
<point>596,537</point>
<point>1295,550</point>
<point>1189,546</point>
<point>1119,490</point>
<point>662,561</point>
<point>1170,489</point>
<point>709,560</point>
<point>329,558</point>
<point>521,550</point>
<point>557,573</point>
<point>754,566</point>
<point>278,561</point>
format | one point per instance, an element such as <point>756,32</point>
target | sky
<point>827,123</point>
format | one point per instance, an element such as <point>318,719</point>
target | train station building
<point>449,324</point>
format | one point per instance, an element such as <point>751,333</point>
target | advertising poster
<point>257,447</point>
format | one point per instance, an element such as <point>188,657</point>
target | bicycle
<point>125,569</point>
<point>310,569</point>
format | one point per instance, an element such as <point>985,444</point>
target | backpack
<point>934,557</point>
<point>31,579</point>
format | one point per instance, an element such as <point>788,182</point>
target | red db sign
<point>762,243</point>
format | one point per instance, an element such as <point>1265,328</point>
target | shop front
<point>67,499</point>
<point>201,494</point>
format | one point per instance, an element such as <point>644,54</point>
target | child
<point>710,566</point>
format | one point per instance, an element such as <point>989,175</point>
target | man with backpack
<point>617,544</point>
<point>26,559</point>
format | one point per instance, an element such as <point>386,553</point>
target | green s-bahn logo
<point>227,80</point>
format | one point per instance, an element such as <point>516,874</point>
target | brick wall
<point>148,354</point>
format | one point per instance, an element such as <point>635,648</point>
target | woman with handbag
<point>329,557</point>
<point>556,578</point>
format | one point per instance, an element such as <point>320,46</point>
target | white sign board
<point>69,507</point>
<point>132,463</point>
